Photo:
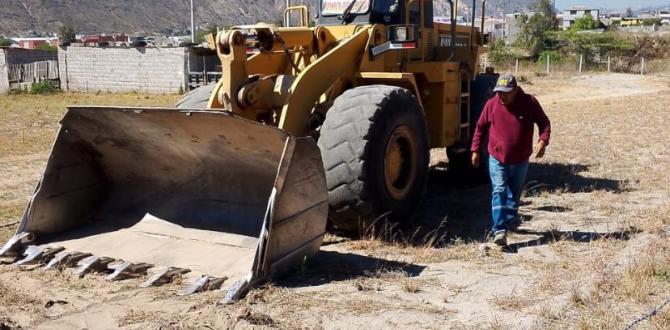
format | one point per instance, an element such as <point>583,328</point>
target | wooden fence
<point>33,72</point>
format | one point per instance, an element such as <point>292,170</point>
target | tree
<point>586,22</point>
<point>629,12</point>
<point>595,45</point>
<point>535,34</point>
<point>201,34</point>
<point>4,42</point>
<point>651,21</point>
<point>500,52</point>
<point>66,35</point>
<point>47,48</point>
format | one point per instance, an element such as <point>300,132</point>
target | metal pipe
<point>287,16</point>
<point>452,43</point>
<point>483,17</point>
<point>474,15</point>
<point>192,24</point>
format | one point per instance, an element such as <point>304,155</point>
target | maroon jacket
<point>510,129</point>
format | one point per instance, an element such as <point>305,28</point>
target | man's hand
<point>541,148</point>
<point>475,159</point>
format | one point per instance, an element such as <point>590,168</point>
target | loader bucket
<point>167,191</point>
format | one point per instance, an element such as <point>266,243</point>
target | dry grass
<point>31,121</point>
<point>661,320</point>
<point>512,302</point>
<point>417,246</point>
<point>410,285</point>
<point>605,170</point>
<point>13,297</point>
<point>137,316</point>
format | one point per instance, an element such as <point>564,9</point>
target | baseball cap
<point>506,82</point>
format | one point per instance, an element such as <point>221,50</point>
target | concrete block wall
<point>4,73</point>
<point>144,70</point>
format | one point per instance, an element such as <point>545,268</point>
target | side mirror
<point>486,38</point>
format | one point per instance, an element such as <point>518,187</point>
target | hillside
<point>100,16</point>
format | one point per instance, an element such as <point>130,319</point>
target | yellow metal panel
<point>341,62</point>
<point>268,63</point>
<point>214,102</point>
<point>434,71</point>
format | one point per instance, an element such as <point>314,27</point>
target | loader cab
<point>387,12</point>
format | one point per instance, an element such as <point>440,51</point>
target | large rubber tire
<point>365,130</point>
<point>197,98</point>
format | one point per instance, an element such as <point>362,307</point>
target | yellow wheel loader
<point>236,184</point>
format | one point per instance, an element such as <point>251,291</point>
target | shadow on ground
<point>458,209</point>
<point>546,237</point>
<point>331,266</point>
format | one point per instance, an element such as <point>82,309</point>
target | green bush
<point>554,57</point>
<point>43,87</point>
<point>48,48</point>
<point>4,42</point>
<point>500,52</point>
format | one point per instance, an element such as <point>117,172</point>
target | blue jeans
<point>507,183</point>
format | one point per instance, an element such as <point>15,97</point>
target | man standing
<point>508,119</point>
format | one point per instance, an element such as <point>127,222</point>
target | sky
<point>564,4</point>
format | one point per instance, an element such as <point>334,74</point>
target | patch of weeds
<point>576,298</point>
<point>524,80</point>
<point>600,318</point>
<point>663,274</point>
<point>511,302</point>
<point>367,284</point>
<point>44,87</point>
<point>254,318</point>
<point>638,280</point>
<point>547,313</point>
<point>496,323</point>
<point>134,317</point>
<point>661,320</point>
<point>410,285</point>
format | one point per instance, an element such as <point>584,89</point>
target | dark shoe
<point>500,238</point>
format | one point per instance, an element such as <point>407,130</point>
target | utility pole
<point>192,24</point>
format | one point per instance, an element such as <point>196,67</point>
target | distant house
<point>34,42</point>
<point>513,25</point>
<point>648,15</point>
<point>631,21</point>
<point>493,26</point>
<point>664,15</point>
<point>119,39</point>
<point>571,15</point>
<point>610,19</point>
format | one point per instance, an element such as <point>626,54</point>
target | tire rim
<point>400,162</point>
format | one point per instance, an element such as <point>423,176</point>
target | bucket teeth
<point>164,275</point>
<point>35,253</point>
<point>92,263</point>
<point>11,247</point>
<point>235,292</point>
<point>66,259</point>
<point>204,283</point>
<point>128,269</point>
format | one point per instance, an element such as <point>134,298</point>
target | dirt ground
<point>592,250</point>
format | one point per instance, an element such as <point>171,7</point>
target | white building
<point>664,15</point>
<point>493,26</point>
<point>513,25</point>
<point>570,15</point>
